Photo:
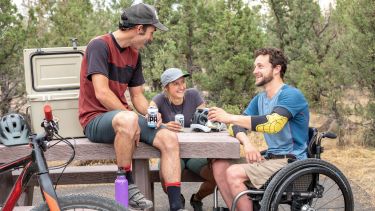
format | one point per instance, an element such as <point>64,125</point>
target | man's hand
<point>158,124</point>
<point>173,126</point>
<point>216,114</point>
<point>219,115</point>
<point>137,136</point>
<point>251,153</point>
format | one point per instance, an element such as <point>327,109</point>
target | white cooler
<point>52,77</point>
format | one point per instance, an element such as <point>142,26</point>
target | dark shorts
<point>194,164</point>
<point>100,130</point>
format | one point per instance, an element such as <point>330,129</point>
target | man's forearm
<point>242,137</point>
<point>240,120</point>
<point>140,103</point>
<point>110,101</point>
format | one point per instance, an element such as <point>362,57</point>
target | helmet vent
<point>13,130</point>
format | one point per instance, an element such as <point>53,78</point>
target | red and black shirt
<point>122,66</point>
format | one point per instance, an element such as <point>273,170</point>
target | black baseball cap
<point>142,14</point>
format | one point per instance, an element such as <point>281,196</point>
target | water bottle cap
<point>120,173</point>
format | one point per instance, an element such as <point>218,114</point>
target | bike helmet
<point>14,130</point>
<point>200,122</point>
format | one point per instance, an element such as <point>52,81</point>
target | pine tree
<point>12,38</point>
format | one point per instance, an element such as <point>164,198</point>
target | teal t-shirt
<point>293,138</point>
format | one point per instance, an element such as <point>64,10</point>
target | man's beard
<point>148,43</point>
<point>266,79</point>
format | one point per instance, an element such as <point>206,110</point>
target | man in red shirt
<point>110,66</point>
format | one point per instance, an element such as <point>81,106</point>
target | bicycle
<point>35,163</point>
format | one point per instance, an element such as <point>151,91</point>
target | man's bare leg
<point>219,168</point>
<point>166,141</point>
<point>237,175</point>
<point>125,124</point>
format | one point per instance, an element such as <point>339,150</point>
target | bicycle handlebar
<point>48,113</point>
<point>49,124</point>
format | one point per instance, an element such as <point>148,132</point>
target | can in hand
<point>179,118</point>
<point>152,118</point>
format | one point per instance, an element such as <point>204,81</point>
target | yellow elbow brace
<point>275,123</point>
<point>234,129</point>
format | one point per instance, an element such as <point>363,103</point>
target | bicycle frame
<point>35,163</point>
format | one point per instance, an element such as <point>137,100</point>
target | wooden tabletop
<point>192,145</point>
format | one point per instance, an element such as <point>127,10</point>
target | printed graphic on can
<point>152,118</point>
<point>180,119</point>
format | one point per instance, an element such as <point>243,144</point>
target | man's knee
<point>125,121</point>
<point>219,166</point>
<point>166,140</point>
<point>236,174</point>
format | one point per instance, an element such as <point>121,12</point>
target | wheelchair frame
<point>297,184</point>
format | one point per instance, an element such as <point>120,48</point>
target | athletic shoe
<point>197,205</point>
<point>183,201</point>
<point>137,200</point>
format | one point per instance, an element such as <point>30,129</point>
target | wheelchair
<point>305,185</point>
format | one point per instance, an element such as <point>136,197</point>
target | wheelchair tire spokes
<point>313,185</point>
<point>334,196</point>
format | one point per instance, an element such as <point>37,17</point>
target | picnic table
<point>192,145</point>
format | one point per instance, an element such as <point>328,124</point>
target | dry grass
<point>357,164</point>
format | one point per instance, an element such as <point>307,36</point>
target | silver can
<point>152,118</point>
<point>179,118</point>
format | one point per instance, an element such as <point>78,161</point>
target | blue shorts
<point>100,130</point>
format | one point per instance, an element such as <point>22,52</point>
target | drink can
<point>179,118</point>
<point>152,118</point>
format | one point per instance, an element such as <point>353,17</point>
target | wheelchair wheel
<point>308,185</point>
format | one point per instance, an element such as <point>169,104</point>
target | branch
<point>319,33</point>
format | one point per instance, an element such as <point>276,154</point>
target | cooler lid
<point>52,70</point>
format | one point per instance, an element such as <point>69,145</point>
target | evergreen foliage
<point>329,51</point>
<point>12,39</point>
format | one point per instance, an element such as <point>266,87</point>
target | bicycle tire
<point>304,167</point>
<point>84,201</point>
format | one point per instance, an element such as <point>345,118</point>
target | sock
<point>197,197</point>
<point>174,195</point>
<point>128,173</point>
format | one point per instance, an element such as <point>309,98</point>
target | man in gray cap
<point>111,64</point>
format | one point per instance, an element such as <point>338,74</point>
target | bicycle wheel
<point>84,202</point>
<point>318,186</point>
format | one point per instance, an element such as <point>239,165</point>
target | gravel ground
<point>361,198</point>
<point>107,190</point>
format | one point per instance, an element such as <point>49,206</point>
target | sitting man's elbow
<point>275,123</point>
<point>101,95</point>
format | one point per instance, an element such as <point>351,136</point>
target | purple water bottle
<point>121,189</point>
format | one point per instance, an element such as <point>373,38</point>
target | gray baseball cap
<point>171,75</point>
<point>142,14</point>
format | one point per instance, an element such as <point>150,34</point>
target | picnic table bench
<point>192,145</point>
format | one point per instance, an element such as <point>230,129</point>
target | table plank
<point>192,145</point>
